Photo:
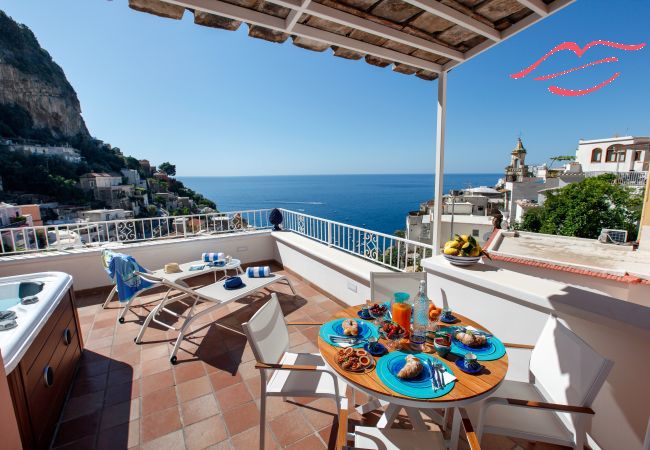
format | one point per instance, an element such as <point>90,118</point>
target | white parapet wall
<point>86,269</point>
<point>336,272</point>
<point>515,306</point>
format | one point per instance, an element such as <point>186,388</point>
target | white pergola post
<point>440,161</point>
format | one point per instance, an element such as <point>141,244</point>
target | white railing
<point>92,234</point>
<point>624,178</point>
<point>384,249</point>
<point>390,251</point>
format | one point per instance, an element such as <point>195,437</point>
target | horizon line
<point>335,174</point>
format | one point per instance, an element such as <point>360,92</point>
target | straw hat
<point>172,268</point>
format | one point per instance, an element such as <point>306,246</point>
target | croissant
<point>471,339</point>
<point>350,327</point>
<point>411,369</point>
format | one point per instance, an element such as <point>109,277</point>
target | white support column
<point>440,161</point>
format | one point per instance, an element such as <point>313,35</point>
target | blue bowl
<point>378,349</point>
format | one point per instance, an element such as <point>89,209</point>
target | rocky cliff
<point>34,87</point>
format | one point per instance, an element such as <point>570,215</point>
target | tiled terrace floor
<point>130,396</point>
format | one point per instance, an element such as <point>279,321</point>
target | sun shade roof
<point>416,37</point>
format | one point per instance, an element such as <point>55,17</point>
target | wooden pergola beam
<point>448,13</point>
<point>537,6</point>
<point>279,24</point>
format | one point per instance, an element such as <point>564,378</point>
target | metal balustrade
<point>96,234</point>
<point>384,249</point>
<point>624,178</point>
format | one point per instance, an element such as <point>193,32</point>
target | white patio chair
<point>383,285</point>
<point>283,373</point>
<point>565,375</point>
<point>371,438</point>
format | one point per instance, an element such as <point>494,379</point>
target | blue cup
<point>470,361</point>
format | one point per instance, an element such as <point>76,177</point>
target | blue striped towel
<point>258,272</point>
<point>211,257</point>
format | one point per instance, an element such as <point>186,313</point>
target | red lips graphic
<point>575,48</point>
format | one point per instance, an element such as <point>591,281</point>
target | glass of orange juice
<point>401,311</point>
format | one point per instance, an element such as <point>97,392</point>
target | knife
<point>434,381</point>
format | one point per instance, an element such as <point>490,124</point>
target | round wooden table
<point>468,388</point>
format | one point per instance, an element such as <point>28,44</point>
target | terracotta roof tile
<point>627,278</point>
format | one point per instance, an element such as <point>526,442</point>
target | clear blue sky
<point>220,103</point>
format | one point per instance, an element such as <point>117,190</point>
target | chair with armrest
<point>283,373</point>
<point>371,438</point>
<point>565,375</point>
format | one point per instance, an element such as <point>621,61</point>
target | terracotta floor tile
<point>159,400</point>
<point>254,387</point>
<point>96,367</point>
<point>77,428</point>
<point>320,413</point>
<point>221,379</point>
<point>198,409</point>
<point>290,427</point>
<point>126,435</point>
<point>242,418</point>
<point>311,442</point>
<point>123,375</point>
<point>120,413</point>
<point>159,424</point>
<point>207,432</point>
<point>158,351</point>
<point>84,384</point>
<point>171,441</point>
<point>250,440</point>
<point>81,444</point>
<point>247,370</point>
<point>233,396</point>
<point>121,393</point>
<point>83,405</point>
<point>155,365</point>
<point>157,381</point>
<point>188,371</point>
<point>193,388</point>
<point>275,407</point>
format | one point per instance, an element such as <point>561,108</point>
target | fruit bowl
<point>462,260</point>
<point>463,251</point>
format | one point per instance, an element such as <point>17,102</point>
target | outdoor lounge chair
<point>371,438</point>
<point>214,293</point>
<point>566,374</point>
<point>283,373</point>
<point>184,274</point>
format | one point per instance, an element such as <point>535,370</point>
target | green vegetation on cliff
<point>22,114</point>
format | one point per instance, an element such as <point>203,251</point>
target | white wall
<point>515,308</point>
<point>340,274</point>
<point>87,271</point>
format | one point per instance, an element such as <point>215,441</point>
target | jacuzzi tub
<point>32,297</point>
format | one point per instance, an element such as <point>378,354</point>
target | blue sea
<point>376,202</point>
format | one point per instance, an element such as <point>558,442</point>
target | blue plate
<point>334,327</point>
<point>363,316</point>
<point>461,366</point>
<point>379,349</point>
<point>490,352</point>
<point>419,387</point>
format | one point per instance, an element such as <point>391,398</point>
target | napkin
<point>449,377</point>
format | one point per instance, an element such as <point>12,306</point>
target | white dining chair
<point>371,438</point>
<point>383,285</point>
<point>283,373</point>
<point>554,406</point>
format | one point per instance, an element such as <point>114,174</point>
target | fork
<point>434,381</point>
<point>441,372</point>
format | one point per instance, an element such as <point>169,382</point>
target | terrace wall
<point>516,306</point>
